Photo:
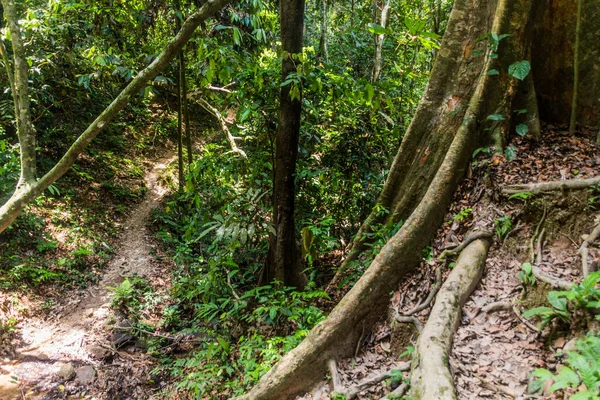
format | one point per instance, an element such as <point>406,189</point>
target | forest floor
<point>493,353</point>
<point>64,353</point>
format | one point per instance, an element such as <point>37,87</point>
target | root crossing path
<point>65,354</point>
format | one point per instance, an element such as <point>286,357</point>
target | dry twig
<point>584,250</point>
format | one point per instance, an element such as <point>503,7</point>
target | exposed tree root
<point>430,297</point>
<point>584,250</point>
<point>524,321</point>
<point>396,393</point>
<point>336,381</point>
<point>573,184</point>
<point>469,238</point>
<point>555,283</point>
<point>371,380</point>
<point>535,236</point>
<point>409,320</point>
<point>449,123</point>
<point>498,306</point>
<point>431,376</point>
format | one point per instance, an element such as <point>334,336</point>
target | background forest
<point>216,225</point>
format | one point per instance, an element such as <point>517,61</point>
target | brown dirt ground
<point>80,325</point>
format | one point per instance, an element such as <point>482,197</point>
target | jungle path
<point>63,355</point>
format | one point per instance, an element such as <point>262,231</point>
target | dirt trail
<point>78,333</point>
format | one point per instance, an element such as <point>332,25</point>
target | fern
<point>583,368</point>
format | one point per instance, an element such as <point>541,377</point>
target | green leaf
<point>493,72</point>
<point>565,378</point>
<point>520,69</point>
<point>522,129</point>
<point>377,29</point>
<point>540,311</point>
<point>495,117</point>
<point>224,345</point>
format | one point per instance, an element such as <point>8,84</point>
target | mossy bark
<point>458,123</point>
<point>20,87</point>
<point>11,209</point>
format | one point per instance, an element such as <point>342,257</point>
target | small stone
<point>85,375</point>
<point>570,346</point>
<point>66,371</point>
<point>98,352</point>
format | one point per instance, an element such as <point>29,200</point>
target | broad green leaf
<point>377,29</point>
<point>565,378</point>
<point>538,311</point>
<point>520,69</point>
<point>493,72</point>
<point>495,117</point>
<point>522,129</point>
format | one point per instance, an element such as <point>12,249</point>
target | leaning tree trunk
<point>552,40</point>
<point>20,89</point>
<point>284,265</point>
<point>449,123</point>
<point>11,209</point>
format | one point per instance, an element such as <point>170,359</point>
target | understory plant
<point>579,376</point>
<point>573,307</point>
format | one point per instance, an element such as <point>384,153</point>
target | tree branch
<point>11,209</point>
<point>230,138</point>
<point>572,184</point>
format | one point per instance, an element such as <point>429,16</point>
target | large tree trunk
<point>553,44</point>
<point>20,89</point>
<point>285,265</point>
<point>449,123</point>
<point>11,209</point>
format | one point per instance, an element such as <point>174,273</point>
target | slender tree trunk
<point>285,264</point>
<point>385,18</point>
<point>573,121</point>
<point>11,209</point>
<point>186,114</point>
<point>11,80</point>
<point>180,79</point>
<point>25,129</point>
<point>323,51</point>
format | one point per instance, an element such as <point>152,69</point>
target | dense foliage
<point>217,228</point>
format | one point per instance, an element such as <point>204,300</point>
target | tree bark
<point>431,377</point>
<point>25,129</point>
<point>455,72</point>
<point>323,50</point>
<point>432,129</point>
<point>385,19</point>
<point>186,114</point>
<point>553,42</point>
<point>573,121</point>
<point>180,79</point>
<point>285,263</point>
<point>10,76</point>
<point>11,209</point>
